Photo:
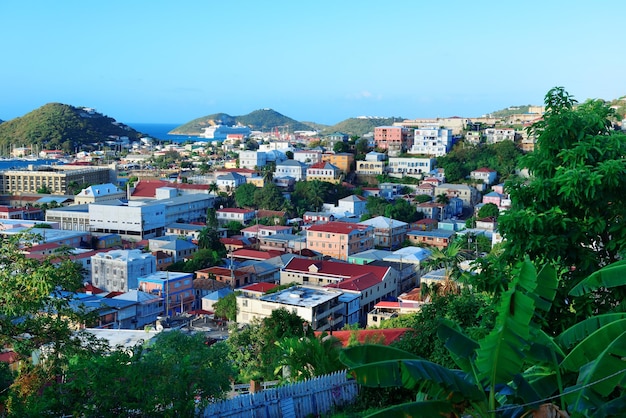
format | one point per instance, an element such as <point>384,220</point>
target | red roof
<point>256,254</point>
<point>259,287</point>
<point>376,336</point>
<point>357,283</point>
<point>338,227</point>
<point>234,210</point>
<point>89,288</point>
<point>485,170</point>
<point>8,357</point>
<point>335,268</point>
<point>147,188</point>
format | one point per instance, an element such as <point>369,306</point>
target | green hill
<point>258,120</point>
<point>61,126</point>
<point>360,126</point>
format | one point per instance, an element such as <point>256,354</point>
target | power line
<point>506,408</point>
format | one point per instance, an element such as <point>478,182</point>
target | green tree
<point>340,147</point>
<point>572,208</point>
<point>36,301</point>
<point>208,238</point>
<point>301,358</point>
<point>175,375</point>
<point>254,350</point>
<point>489,210</point>
<point>226,307</point>
<point>244,195</point>
<point>270,197</point>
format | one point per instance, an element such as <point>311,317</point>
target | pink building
<point>394,139</point>
<point>339,239</point>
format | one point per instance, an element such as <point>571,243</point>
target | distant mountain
<point>61,126</point>
<point>258,120</point>
<point>360,126</point>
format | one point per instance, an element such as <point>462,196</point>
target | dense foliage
<point>399,209</point>
<point>361,126</point>
<point>172,376</point>
<point>572,208</point>
<point>464,158</point>
<point>253,348</point>
<point>310,195</point>
<point>60,126</point>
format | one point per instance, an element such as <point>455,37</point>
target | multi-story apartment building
<point>323,171</point>
<point>456,124</point>
<point>307,157</point>
<point>230,181</point>
<point>394,139</point>
<point>119,270</point>
<point>339,239</point>
<point>370,283</point>
<point>432,140</point>
<point>494,135</point>
<point>410,165</point>
<point>252,159</point>
<point>175,288</point>
<point>243,216</point>
<point>320,308</point>
<point>290,168</point>
<point>54,179</point>
<point>343,161</point>
<point>135,220</point>
<point>388,233</point>
<point>484,175</point>
<point>468,194</point>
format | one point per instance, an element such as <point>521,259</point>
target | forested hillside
<point>61,126</point>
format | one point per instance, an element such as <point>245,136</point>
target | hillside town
<point>241,228</point>
<point>128,219</point>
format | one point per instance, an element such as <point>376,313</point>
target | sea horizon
<point>161,131</point>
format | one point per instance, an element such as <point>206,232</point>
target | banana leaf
<point>502,353</point>
<point>578,332</point>
<point>594,345</point>
<point>598,379</point>
<point>612,275</point>
<point>413,373</point>
<point>544,349</point>
<point>461,347</point>
<point>359,355</point>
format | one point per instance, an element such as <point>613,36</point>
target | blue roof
<point>437,233</point>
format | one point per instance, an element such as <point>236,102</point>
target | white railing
<point>312,397</point>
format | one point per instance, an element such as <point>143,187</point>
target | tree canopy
<point>572,208</point>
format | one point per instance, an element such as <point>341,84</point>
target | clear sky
<point>324,61</point>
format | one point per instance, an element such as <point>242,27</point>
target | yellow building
<point>54,179</point>
<point>343,161</point>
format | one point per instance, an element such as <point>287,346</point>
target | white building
<point>494,135</point>
<point>118,270</point>
<point>410,165</point>
<point>485,175</point>
<point>99,193</point>
<point>291,168</point>
<point>252,159</point>
<point>432,140</point>
<point>319,307</point>
<point>308,157</point>
<point>230,181</point>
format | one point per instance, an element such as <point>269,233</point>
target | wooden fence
<point>311,397</point>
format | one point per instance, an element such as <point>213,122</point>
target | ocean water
<point>10,164</point>
<point>160,131</point>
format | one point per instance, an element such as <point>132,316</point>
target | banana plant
<point>583,368</point>
<point>491,370</point>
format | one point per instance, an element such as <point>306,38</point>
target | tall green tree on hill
<point>572,208</point>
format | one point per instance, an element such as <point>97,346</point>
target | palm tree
<point>442,198</point>
<point>213,188</point>
<point>448,259</point>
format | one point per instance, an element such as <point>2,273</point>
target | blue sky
<point>322,61</point>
